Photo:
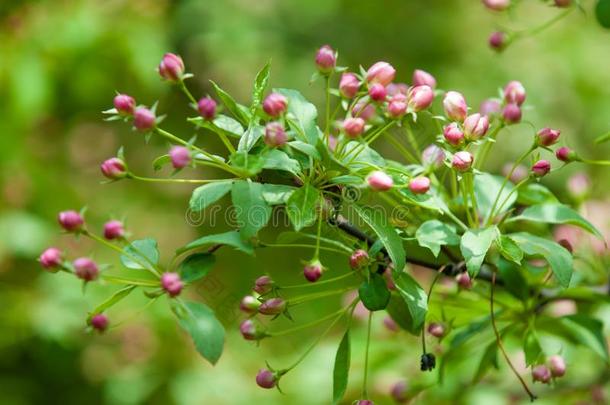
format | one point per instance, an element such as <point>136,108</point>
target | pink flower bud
<point>332,142</point>
<point>70,220</point>
<point>547,136</point>
<point>275,135</point>
<point>171,67</point>
<point>249,304</point>
<point>113,168</point>
<point>397,107</point>
<point>462,161</point>
<point>579,185</point>
<point>455,106</point>
<point>490,107</point>
<point>349,85</point>
<point>358,259</point>
<point>520,172</point>
<point>251,331</point>
<point>511,113</point>
<point>266,378</point>
<point>377,92</point>
<point>563,3</point>
<point>379,181</point>
<point>326,59</point>
<point>397,88</point>
<point>514,93</point>
<point>207,108</point>
<point>419,185</point>
<point>124,104</point>
<point>275,104</point>
<point>423,78</point>
<point>365,402</point>
<point>51,258</point>
<point>557,365</point>
<point>475,126</point>
<point>363,110</point>
<point>541,168</point>
<point>453,134</point>
<point>566,245</point>
<point>497,40</point>
<point>463,281</point>
<point>114,230</point>
<point>399,392</point>
<point>85,269</point>
<point>541,374</point>
<point>390,324</point>
<point>566,154</point>
<point>436,330</point>
<point>180,157</point>
<point>433,157</point>
<point>263,285</point>
<point>172,284</point>
<point>353,127</point>
<point>144,119</point>
<point>99,322</point>
<point>497,5</point>
<point>381,72</point>
<point>272,306</point>
<point>313,271</point>
<point>420,97</point>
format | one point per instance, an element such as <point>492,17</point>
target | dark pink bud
<point>475,126</point>
<point>207,108</point>
<point>453,134</point>
<point>365,402</point>
<point>313,271</point>
<point>249,304</point>
<point>171,67</point>
<point>263,285</point>
<point>349,85</point>
<point>566,244</point>
<point>420,97</point>
<point>490,107</point>
<point>557,365</point>
<point>71,220</point>
<point>99,322</point>
<point>353,127</point>
<point>514,93</point>
<point>114,168</point>
<point>397,107</point>
<point>266,378</point>
<point>547,136</point>
<point>455,106</point>
<point>399,392</point>
<point>419,185</point>
<point>275,104</point>
<point>377,92</point>
<point>390,324</point>
<point>85,269</point>
<point>423,78</point>
<point>566,154</point>
<point>511,113</point>
<point>433,157</point>
<point>326,59</point>
<point>363,110</point>
<point>462,161</point>
<point>436,330</point>
<point>497,40</point>
<point>144,119</point>
<point>124,104</point>
<point>381,72</point>
<point>397,88</point>
<point>358,259</point>
<point>51,258</point>
<point>379,181</point>
<point>114,230</point>
<point>272,306</point>
<point>497,5</point>
<point>563,3</point>
<point>275,135</point>
<point>172,284</point>
<point>251,331</point>
<point>541,168</point>
<point>541,374</point>
<point>180,157</point>
<point>464,281</point>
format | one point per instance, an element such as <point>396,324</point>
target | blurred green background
<point>60,64</point>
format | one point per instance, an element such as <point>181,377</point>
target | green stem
<point>226,142</point>
<point>316,254</point>
<point>304,245</point>
<point>317,283</point>
<point>155,180</point>
<point>365,393</point>
<point>186,91</point>
<point>516,188</point>
<point>310,297</point>
<point>412,140</point>
<point>327,129</point>
<point>470,177</point>
<point>130,281</point>
<point>406,153</point>
<point>481,157</point>
<point>307,325</point>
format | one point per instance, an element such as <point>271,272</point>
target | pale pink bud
<point>379,181</point>
<point>313,271</point>
<point>365,402</point>
<point>349,85</point>
<point>390,324</point>
<point>547,136</point>
<point>144,119</point>
<point>463,281</point>
<point>420,97</point>
<point>363,110</point>
<point>263,285</point>
<point>70,220</point>
<point>275,104</point>
<point>541,168</point>
<point>397,107</point>
<point>520,172</point>
<point>180,157</point>
<point>99,322</point>
<point>399,392</point>
<point>381,72</point>
<point>475,126</point>
<point>433,157</point>
<point>455,106</point>
<point>541,374</point>
<point>272,306</point>
<point>377,92</point>
<point>566,154</point>
<point>497,40</point>
<point>462,160</point>
<point>85,269</point>
<point>397,88</point>
<point>266,378</point>
<point>113,168</point>
<point>511,113</point>
<point>490,107</point>
<point>171,67</point>
<point>514,93</point>
<point>326,59</point>
<point>249,304</point>
<point>353,127</point>
<point>419,185</point>
<point>423,78</point>
<point>557,365</point>
<point>124,104</point>
<point>275,135</point>
<point>436,330</point>
<point>332,142</point>
<point>497,5</point>
<point>51,258</point>
<point>207,108</point>
<point>358,259</point>
<point>251,331</point>
<point>579,185</point>
<point>172,284</point>
<point>453,134</point>
<point>114,230</point>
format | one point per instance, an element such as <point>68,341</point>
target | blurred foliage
<point>60,62</point>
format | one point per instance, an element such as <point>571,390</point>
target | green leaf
<point>414,296</point>
<point>250,137</point>
<point>278,160</point>
<point>304,115</point>
<point>113,299</point>
<point>474,246</point>
<point>509,249</point>
<point>469,331</point>
<point>433,234</point>
<point>603,138</point>
<point>260,84</point>
<point>196,266</point>
<point>301,206</point>
<point>399,311</point>
<point>228,125</point>
<point>341,368</point>
<point>556,214</point>
<point>239,111</point>
<point>230,238</point>
<point>305,148</point>
<point>355,153</point>
<point>489,359</point>
<point>514,281</point>
<point>141,254</point>
<point>347,180</point>
<point>390,239</point>
<point>205,330</point>
<point>531,348</point>
<point>602,13</point>
<point>535,193</point>
<point>204,196</point>
<point>161,161</point>
<point>251,210</point>
<point>487,187</point>
<point>556,255</point>
<point>374,293</point>
<point>250,165</point>
<point>587,331</point>
<point>277,194</point>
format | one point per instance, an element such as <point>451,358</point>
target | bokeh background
<point>60,64</point>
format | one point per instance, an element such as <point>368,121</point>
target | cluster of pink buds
<point>556,368</point>
<point>172,284</point>
<point>258,303</point>
<point>514,96</point>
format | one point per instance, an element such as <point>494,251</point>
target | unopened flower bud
<point>399,392</point>
<point>358,259</point>
<point>363,110</point>
<point>326,59</point>
<point>266,378</point>
<point>563,3</point>
<point>433,157</point>
<point>579,185</point>
<point>423,78</point>
<point>114,230</point>
<point>453,134</point>
<point>51,258</point>
<point>263,285</point>
<point>144,119</point>
<point>114,168</point>
<point>85,269</point>
<point>99,322</point>
<point>313,271</point>
<point>519,173</point>
<point>349,85</point>
<point>365,402</point>
<point>171,67</point>
<point>566,154</point>
<point>566,245</point>
<point>420,97</point>
<point>397,88</point>
<point>475,126</point>
<point>251,331</point>
<point>272,306</point>
<point>463,281</point>
<point>497,40</point>
<point>455,106</point>
<point>207,108</point>
<point>514,93</point>
<point>172,284</point>
<point>275,104</point>
<point>497,5</point>
<point>397,107</point>
<point>541,168</point>
<point>249,304</point>
<point>381,72</point>
<point>490,107</point>
<point>379,181</point>
<point>124,104</point>
<point>436,329</point>
<point>353,127</point>
<point>390,324</point>
<point>511,113</point>
<point>462,161</point>
<point>275,135</point>
<point>180,157</point>
<point>377,92</point>
<point>70,220</point>
<point>557,365</point>
<point>541,374</point>
<point>547,136</point>
<point>419,185</point>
